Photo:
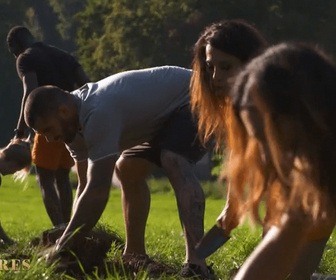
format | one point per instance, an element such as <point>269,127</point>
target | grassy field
<point>23,217</point>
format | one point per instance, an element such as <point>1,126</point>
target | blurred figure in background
<point>14,157</point>
<point>39,64</point>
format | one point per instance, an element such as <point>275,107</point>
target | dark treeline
<point>108,36</point>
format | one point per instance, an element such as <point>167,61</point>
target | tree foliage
<point>124,34</point>
<point>135,34</point>
<point>109,36</point>
<point>67,24</point>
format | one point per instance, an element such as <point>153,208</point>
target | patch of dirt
<point>87,254</point>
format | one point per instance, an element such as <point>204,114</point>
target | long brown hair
<point>234,37</point>
<point>292,87</point>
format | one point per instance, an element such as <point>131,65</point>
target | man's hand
<point>53,255</point>
<point>91,202</point>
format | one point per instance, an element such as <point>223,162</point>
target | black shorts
<point>178,135</point>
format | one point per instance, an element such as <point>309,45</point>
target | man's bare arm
<point>29,82</point>
<point>91,203</point>
<point>81,168</point>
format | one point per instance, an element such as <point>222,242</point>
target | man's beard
<point>69,132</point>
<point>70,137</point>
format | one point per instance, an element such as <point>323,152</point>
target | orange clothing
<point>50,155</point>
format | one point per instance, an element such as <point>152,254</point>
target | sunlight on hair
<point>22,176</point>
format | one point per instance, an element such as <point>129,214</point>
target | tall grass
<point>24,218</point>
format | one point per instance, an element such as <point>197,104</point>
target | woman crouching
<point>283,123</point>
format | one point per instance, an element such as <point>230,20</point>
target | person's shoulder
<point>51,49</point>
<point>57,49</point>
<point>27,56</point>
<point>37,47</point>
<point>60,56</point>
<point>32,52</point>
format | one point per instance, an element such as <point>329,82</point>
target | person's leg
<point>312,252</point>
<point>132,173</point>
<point>46,181</point>
<point>190,201</point>
<point>47,157</point>
<point>275,257</point>
<point>64,190</point>
<point>308,260</point>
<point>179,148</point>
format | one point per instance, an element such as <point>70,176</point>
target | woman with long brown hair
<point>220,53</point>
<point>241,128</point>
<point>292,90</point>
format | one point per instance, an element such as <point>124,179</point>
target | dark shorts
<point>178,135</point>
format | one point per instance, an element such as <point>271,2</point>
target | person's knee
<point>179,171</point>
<point>170,160</point>
<point>173,162</point>
<point>132,169</point>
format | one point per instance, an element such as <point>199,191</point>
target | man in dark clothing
<point>39,64</point>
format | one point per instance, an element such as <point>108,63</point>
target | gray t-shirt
<point>127,109</point>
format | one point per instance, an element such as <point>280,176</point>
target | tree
<point>124,34</point>
<point>39,17</point>
<point>109,36</point>
<point>11,89</point>
<point>66,24</point>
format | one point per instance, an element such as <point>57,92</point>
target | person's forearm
<point>92,201</point>
<point>81,168</point>
<point>21,125</point>
<point>88,209</point>
<point>276,255</point>
<point>29,83</point>
<point>79,191</point>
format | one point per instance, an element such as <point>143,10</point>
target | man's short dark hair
<point>41,102</point>
<point>17,37</point>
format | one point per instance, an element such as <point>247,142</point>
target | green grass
<point>23,217</point>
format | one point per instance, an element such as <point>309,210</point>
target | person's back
<point>130,123</point>
<point>52,65</point>
<point>133,105</point>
